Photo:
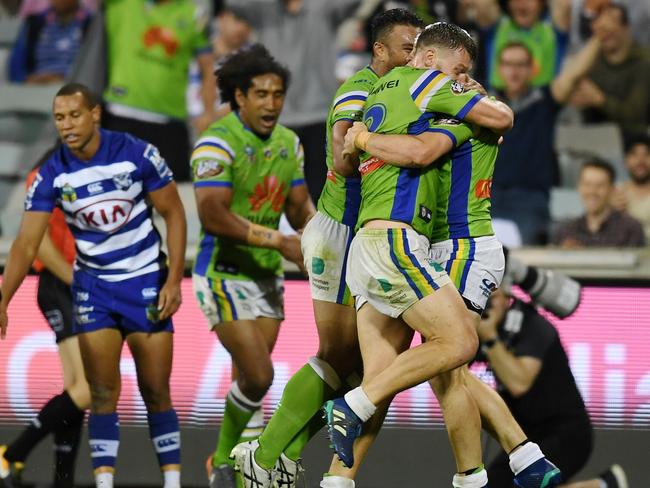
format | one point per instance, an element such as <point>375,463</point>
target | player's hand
<point>349,149</point>
<point>471,84</point>
<point>290,250</point>
<point>169,299</point>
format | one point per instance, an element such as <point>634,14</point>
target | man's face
<point>398,45</point>
<point>525,13</point>
<point>235,31</point>
<point>75,121</point>
<point>637,162</point>
<point>63,7</point>
<point>515,68</point>
<point>261,105</point>
<point>610,28</point>
<point>451,62</point>
<point>595,189</point>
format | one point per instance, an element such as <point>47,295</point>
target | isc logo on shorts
<point>105,215</point>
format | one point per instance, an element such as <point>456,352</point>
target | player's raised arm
<point>21,255</point>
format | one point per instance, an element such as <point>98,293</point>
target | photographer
<point>533,376</point>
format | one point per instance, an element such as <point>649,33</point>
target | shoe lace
<point>251,473</point>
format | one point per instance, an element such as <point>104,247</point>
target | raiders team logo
<point>284,154</point>
<point>250,154</point>
<point>267,153</point>
<point>123,181</point>
<point>208,168</point>
<point>457,88</point>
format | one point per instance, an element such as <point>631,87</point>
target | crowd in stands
<point>552,61</point>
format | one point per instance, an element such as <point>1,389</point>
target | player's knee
<point>255,384</point>
<point>80,394</point>
<point>467,339</point>
<point>343,358</point>
<point>103,398</point>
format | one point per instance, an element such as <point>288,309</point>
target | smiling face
<point>76,122</point>
<point>260,106</point>
<point>516,68</point>
<point>395,49</point>
<point>525,13</point>
<point>595,187</point>
<point>637,162</point>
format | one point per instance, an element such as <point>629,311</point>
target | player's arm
<point>54,261</point>
<point>574,69</point>
<point>299,208</point>
<point>345,163</point>
<point>168,204</point>
<point>402,150</point>
<point>213,204</point>
<point>491,114</point>
<point>21,255</point>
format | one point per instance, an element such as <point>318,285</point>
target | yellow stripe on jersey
<point>211,152</point>
<point>429,90</point>
<point>350,106</point>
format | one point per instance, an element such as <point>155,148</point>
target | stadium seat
<point>575,143</point>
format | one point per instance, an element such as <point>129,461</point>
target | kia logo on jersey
<point>104,215</point>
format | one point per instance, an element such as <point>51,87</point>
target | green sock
<point>298,443</point>
<point>254,427</point>
<point>303,397</point>
<point>235,419</point>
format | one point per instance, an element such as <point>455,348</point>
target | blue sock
<point>163,430</point>
<point>104,439</point>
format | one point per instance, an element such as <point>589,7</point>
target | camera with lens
<point>554,291</point>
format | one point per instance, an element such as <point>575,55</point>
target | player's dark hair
<point>239,69</point>
<point>447,35</point>
<point>383,23</point>
<point>602,165</point>
<point>72,88</point>
<point>516,44</point>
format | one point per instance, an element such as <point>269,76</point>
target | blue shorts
<point>129,305</point>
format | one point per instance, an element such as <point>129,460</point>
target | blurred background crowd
<point>574,171</point>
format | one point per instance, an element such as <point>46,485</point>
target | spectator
<point>616,89</point>
<point>150,46</point>
<point>601,225</point>
<point>48,42</point>
<point>232,30</point>
<point>533,376</point>
<point>633,196</point>
<point>528,148</point>
<point>300,34</point>
<point>546,36</point>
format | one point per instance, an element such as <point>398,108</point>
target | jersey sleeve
<point>41,195</point>
<point>155,172</point>
<point>436,92</point>
<point>348,105</point>
<point>299,174</point>
<point>212,161</point>
<point>459,132</point>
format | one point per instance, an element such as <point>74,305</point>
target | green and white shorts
<point>391,269</point>
<point>475,266</point>
<point>325,244</point>
<point>228,300</point>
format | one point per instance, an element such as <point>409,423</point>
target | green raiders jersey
<point>260,172</point>
<point>150,46</point>
<point>464,180</point>
<point>404,102</point>
<point>341,196</point>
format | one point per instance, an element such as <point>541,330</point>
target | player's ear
<point>378,50</point>
<point>240,97</point>
<point>96,112</point>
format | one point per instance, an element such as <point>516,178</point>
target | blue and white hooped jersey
<point>103,200</point>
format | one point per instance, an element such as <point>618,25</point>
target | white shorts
<point>391,269</point>
<point>325,244</point>
<point>475,266</point>
<point>229,300</point>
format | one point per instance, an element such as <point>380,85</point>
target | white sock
<point>172,479</point>
<point>104,480</point>
<point>336,482</point>
<point>360,403</point>
<point>524,457</point>
<point>603,484</point>
<point>476,480</point>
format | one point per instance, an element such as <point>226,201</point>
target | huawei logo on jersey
<point>270,190</point>
<point>163,36</point>
<point>483,188</point>
<point>370,165</point>
<point>105,215</point>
